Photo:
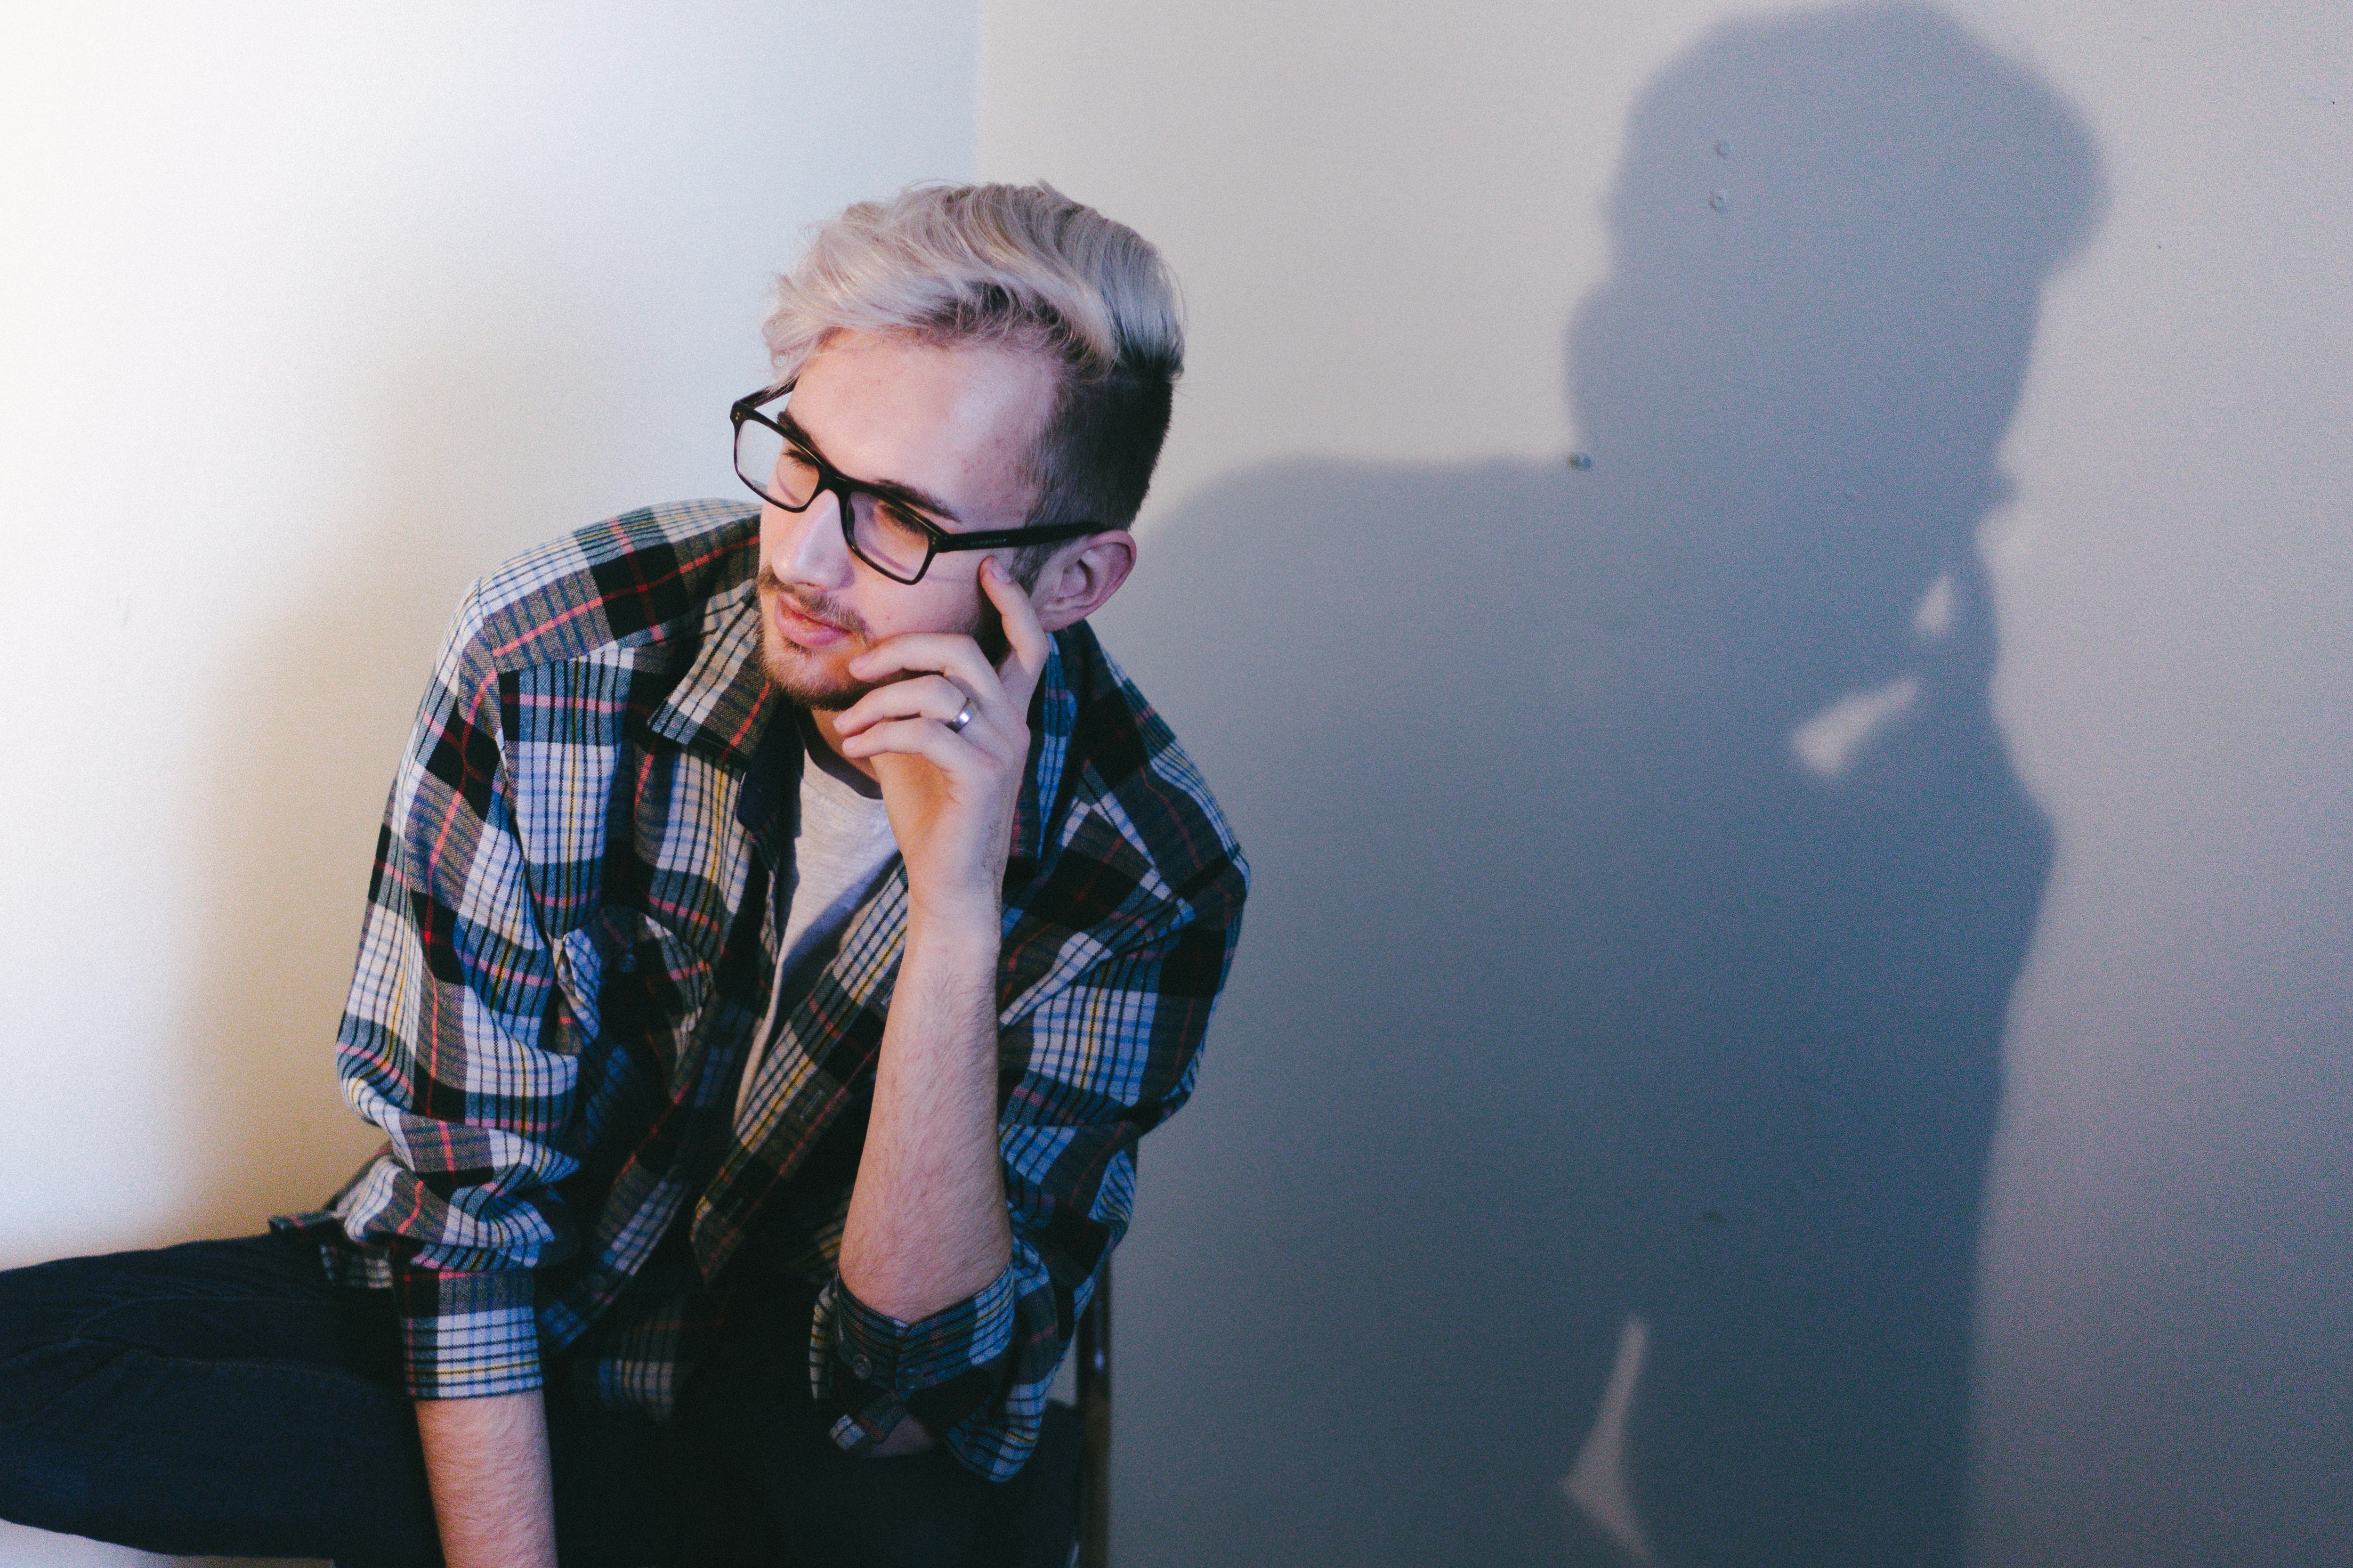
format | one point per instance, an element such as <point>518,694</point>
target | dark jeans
<point>222,1398</point>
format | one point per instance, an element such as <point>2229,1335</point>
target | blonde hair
<point>1023,266</point>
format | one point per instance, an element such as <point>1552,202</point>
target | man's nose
<point>811,547</point>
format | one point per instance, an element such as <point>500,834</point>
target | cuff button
<point>862,1367</point>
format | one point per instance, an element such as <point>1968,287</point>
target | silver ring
<point>964,716</point>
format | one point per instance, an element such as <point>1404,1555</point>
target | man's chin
<point>803,678</point>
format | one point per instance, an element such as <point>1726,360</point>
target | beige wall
<point>1384,217</point>
<point>313,313</point>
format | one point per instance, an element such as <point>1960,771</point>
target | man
<point>785,925</point>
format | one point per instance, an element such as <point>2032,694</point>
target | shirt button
<point>862,1367</point>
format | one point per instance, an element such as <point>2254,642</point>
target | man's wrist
<point>967,924</point>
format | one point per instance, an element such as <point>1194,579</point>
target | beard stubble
<point>788,668</point>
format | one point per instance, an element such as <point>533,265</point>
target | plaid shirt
<point>569,944</point>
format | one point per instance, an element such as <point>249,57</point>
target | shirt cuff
<point>464,1336</point>
<point>883,1365</point>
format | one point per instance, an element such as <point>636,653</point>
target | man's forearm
<point>949,742</point>
<point>927,1226</point>
<point>487,1461</point>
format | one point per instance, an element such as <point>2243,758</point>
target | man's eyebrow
<point>913,495</point>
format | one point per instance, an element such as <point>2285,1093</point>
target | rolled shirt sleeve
<point>975,1373</point>
<point>883,1368</point>
<point>467,1335</point>
<point>451,1042</point>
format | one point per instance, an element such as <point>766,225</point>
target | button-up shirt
<point>569,942</point>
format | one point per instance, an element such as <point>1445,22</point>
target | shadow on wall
<point>1603,1102</point>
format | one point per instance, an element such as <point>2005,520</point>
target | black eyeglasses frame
<point>938,540</point>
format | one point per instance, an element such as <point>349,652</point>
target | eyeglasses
<point>884,524</point>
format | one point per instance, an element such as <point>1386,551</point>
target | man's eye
<point>898,517</point>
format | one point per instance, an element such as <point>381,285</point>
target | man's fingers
<point>1001,691</point>
<point>922,738</point>
<point>1028,639</point>
<point>926,653</point>
<point>919,697</point>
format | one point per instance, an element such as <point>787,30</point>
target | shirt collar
<point>1053,717</point>
<point>719,706</point>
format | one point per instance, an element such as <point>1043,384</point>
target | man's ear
<point>1074,585</point>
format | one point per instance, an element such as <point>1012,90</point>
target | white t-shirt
<point>842,850</point>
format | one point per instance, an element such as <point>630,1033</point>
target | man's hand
<point>951,793</point>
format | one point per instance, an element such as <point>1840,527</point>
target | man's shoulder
<point>647,576</point>
<point>1127,768</point>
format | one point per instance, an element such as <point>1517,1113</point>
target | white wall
<point>1386,218</point>
<point>313,314</point>
<point>2166,1373</point>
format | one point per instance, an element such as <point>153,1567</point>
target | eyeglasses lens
<point>766,463</point>
<point>888,538</point>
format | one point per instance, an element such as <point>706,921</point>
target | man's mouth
<point>798,626</point>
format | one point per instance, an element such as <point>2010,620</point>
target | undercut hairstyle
<point>1020,267</point>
